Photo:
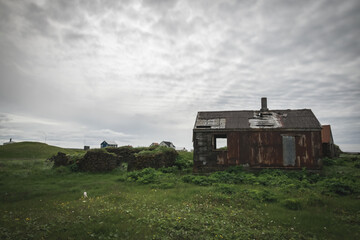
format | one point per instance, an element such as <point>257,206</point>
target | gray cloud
<point>138,71</point>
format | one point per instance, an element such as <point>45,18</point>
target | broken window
<point>220,142</point>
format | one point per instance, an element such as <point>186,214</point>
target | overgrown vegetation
<point>38,201</point>
<point>107,159</point>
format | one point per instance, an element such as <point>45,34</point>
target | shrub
<point>201,180</point>
<point>267,196</point>
<point>74,167</point>
<point>328,161</point>
<point>249,178</point>
<point>292,204</point>
<point>184,160</point>
<point>273,178</point>
<point>314,178</point>
<point>144,176</point>
<point>187,178</point>
<point>339,186</point>
<point>222,177</point>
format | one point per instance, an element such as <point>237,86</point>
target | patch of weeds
<point>222,177</point>
<point>328,161</point>
<point>261,195</point>
<point>273,178</point>
<point>339,186</point>
<point>144,176</point>
<point>235,169</point>
<point>357,164</point>
<point>122,178</point>
<point>248,178</point>
<point>315,201</point>
<point>62,170</point>
<point>74,167</point>
<point>163,185</point>
<point>201,180</point>
<point>173,169</point>
<point>292,204</point>
<point>184,161</point>
<point>187,178</point>
<point>314,177</point>
<point>225,188</point>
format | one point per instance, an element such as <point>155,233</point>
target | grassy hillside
<point>31,150</point>
<point>41,202</point>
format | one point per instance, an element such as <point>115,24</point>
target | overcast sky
<point>76,73</point>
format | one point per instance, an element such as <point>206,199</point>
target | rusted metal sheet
<point>233,153</point>
<point>221,158</point>
<point>261,148</point>
<point>265,149</point>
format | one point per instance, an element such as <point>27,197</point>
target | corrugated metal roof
<point>326,135</point>
<point>285,119</point>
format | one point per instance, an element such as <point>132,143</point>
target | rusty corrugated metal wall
<point>264,148</point>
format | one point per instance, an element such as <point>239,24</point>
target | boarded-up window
<point>289,153</point>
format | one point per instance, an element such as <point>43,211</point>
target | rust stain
<point>222,157</point>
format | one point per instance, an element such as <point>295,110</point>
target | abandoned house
<point>105,144</point>
<point>259,139</point>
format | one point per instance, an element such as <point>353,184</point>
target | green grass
<point>31,150</point>
<point>39,202</point>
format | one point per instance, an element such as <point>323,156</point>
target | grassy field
<point>31,150</point>
<point>39,202</point>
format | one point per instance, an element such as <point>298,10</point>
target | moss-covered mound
<point>98,160</point>
<point>125,154</point>
<point>157,158</point>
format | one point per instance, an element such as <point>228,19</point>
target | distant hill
<point>32,150</point>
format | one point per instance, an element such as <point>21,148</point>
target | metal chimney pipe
<point>264,105</point>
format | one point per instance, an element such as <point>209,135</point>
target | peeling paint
<point>216,123</point>
<point>265,120</point>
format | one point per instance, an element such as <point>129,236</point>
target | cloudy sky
<point>74,73</point>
